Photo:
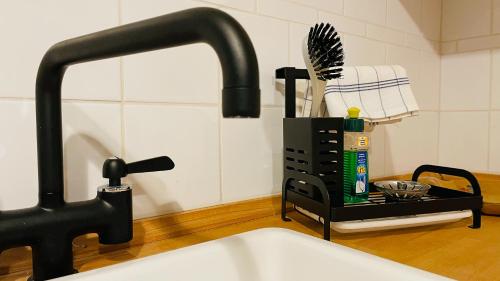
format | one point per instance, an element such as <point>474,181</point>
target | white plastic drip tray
<point>392,222</point>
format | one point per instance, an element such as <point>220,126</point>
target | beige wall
<point>167,102</point>
<point>470,85</point>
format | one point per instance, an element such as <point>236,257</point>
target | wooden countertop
<point>453,250</point>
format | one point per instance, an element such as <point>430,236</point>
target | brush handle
<point>318,86</point>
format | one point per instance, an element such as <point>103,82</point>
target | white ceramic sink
<point>268,254</point>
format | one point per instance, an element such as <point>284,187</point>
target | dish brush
<point>324,58</point>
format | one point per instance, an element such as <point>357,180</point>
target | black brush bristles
<point>325,51</point>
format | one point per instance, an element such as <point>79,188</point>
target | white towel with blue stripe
<point>383,93</point>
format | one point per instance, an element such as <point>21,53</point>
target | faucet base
<point>32,279</point>
<point>52,257</point>
<point>50,232</point>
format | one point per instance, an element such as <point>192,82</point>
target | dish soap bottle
<point>355,158</point>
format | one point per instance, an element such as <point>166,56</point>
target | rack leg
<point>326,221</point>
<point>283,201</point>
<point>326,230</point>
<point>327,212</point>
<point>476,219</point>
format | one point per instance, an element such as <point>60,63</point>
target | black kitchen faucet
<point>50,227</point>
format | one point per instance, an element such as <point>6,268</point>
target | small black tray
<point>313,172</point>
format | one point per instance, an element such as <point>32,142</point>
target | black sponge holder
<point>313,172</point>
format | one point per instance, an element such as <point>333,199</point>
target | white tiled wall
<point>411,143</point>
<point>90,131</point>
<point>466,81</point>
<point>189,134</point>
<point>29,28</point>
<point>470,85</point>
<point>168,102</point>
<point>494,140</point>
<point>463,139</point>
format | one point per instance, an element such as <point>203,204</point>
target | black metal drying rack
<point>313,172</point>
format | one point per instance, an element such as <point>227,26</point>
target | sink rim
<point>256,235</point>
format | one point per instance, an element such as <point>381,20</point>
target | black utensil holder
<point>313,172</point>
<point>314,146</point>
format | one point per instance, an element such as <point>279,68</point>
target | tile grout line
<point>441,25</point>
<point>20,99</point>
<point>491,35</point>
<point>122,111</point>
<point>439,116</point>
<point>479,48</point>
<point>464,110</point>
<point>166,103</point>
<point>402,45</point>
<point>123,151</point>
<point>289,25</point>
<point>492,15</point>
<point>222,6</point>
<point>257,13</point>
<point>490,97</point>
<point>421,18</point>
<point>439,112</point>
<point>219,128</point>
<point>128,102</point>
<point>386,12</point>
<point>420,35</point>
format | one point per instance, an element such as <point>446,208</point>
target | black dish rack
<point>313,172</point>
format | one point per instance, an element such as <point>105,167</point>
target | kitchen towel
<point>382,93</point>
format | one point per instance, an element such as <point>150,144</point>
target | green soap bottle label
<point>361,172</point>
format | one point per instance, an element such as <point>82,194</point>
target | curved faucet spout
<point>240,94</point>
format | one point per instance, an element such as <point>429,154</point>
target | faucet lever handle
<point>162,163</point>
<point>115,168</point>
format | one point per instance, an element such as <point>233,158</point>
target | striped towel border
<point>367,86</point>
